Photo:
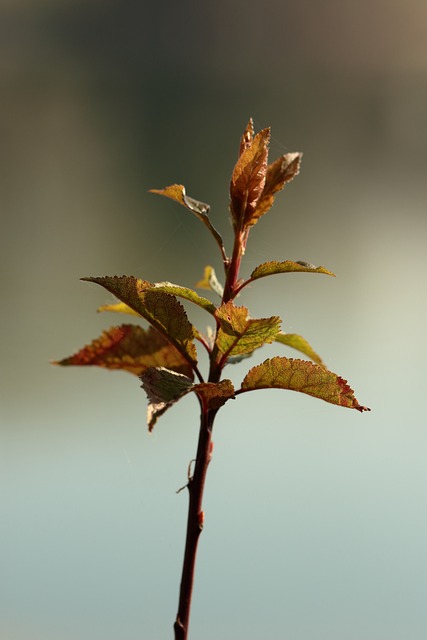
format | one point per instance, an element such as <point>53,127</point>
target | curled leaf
<point>283,170</point>
<point>130,348</point>
<point>247,137</point>
<point>163,388</point>
<point>210,281</point>
<point>303,376</point>
<point>248,180</point>
<point>214,394</point>
<point>201,210</point>
<point>239,334</point>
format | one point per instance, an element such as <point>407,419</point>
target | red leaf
<point>248,180</point>
<point>130,348</point>
<point>280,172</point>
<point>214,394</point>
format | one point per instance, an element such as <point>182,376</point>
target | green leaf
<point>201,210</point>
<point>287,266</point>
<point>303,376</point>
<point>300,344</point>
<point>165,287</point>
<point>130,348</point>
<point>214,394</point>
<point>248,178</point>
<point>185,293</point>
<point>161,310</point>
<point>238,334</point>
<point>163,388</point>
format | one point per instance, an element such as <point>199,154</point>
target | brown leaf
<point>247,137</point>
<point>214,394</point>
<point>130,348</point>
<point>248,180</point>
<point>161,310</point>
<point>163,388</point>
<point>280,172</point>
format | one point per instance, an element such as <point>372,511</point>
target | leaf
<point>161,310</point>
<point>300,344</point>
<point>186,293</point>
<point>201,210</point>
<point>163,388</point>
<point>247,137</point>
<point>238,334</point>
<point>130,348</point>
<point>210,281</point>
<point>248,180</point>
<point>118,307</point>
<point>303,376</point>
<point>287,266</point>
<point>214,394</point>
<point>280,172</point>
<point>164,287</point>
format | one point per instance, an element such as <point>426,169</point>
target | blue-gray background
<point>315,516</point>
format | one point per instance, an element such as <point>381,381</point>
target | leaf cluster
<point>165,357</point>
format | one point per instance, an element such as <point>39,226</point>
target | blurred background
<point>316,516</point>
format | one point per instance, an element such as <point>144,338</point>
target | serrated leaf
<point>279,173</point>
<point>287,266</point>
<point>130,348</point>
<point>303,376</point>
<point>247,137</point>
<point>214,394</point>
<point>300,344</point>
<point>239,334</point>
<point>210,281</point>
<point>163,388</point>
<point>201,210</point>
<point>185,293</point>
<point>248,180</point>
<point>161,310</point>
<point>166,287</point>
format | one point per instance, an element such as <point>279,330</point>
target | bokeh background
<point>316,520</point>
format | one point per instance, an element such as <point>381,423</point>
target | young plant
<point>164,356</point>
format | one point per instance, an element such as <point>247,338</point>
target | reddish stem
<point>196,485</point>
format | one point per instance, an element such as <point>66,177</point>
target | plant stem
<point>196,485</point>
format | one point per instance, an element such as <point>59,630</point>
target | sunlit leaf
<point>283,170</point>
<point>118,307</point>
<point>287,266</point>
<point>130,348</point>
<point>303,376</point>
<point>247,137</point>
<point>248,180</point>
<point>210,281</point>
<point>177,193</point>
<point>214,394</point>
<point>300,344</point>
<point>163,388</point>
<point>161,310</point>
<point>239,334</point>
<point>186,294</point>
